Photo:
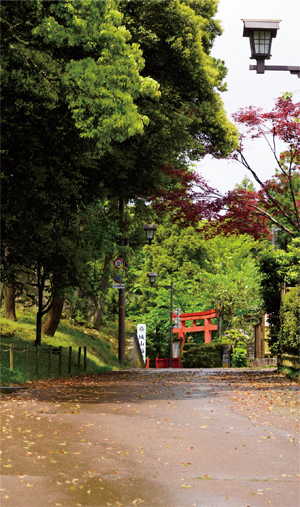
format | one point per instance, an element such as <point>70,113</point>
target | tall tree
<point>189,119</point>
<point>63,104</point>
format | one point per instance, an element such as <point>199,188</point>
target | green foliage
<point>290,322</point>
<point>246,184</point>
<point>236,338</point>
<point>175,38</point>
<point>69,81</point>
<point>219,273</point>
<point>9,377</point>
<point>208,355</point>
<point>239,357</point>
<point>231,282</point>
<point>75,93</point>
<point>290,372</point>
<point>277,266</point>
<point>100,94</point>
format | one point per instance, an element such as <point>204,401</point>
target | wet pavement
<point>171,438</point>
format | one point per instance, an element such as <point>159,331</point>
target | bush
<point>290,322</point>
<point>208,355</point>
<point>235,338</point>
<point>239,357</point>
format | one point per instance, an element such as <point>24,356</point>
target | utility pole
<point>122,291</point>
<point>171,328</point>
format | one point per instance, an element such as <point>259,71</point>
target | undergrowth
<point>102,349</point>
<point>290,372</point>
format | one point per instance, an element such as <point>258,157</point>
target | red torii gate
<point>207,328</point>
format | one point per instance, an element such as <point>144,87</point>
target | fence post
<point>84,358</point>
<point>50,359</point>
<point>11,357</point>
<point>79,357</point>
<point>70,360</point>
<point>60,361</point>
<point>37,360</point>
<point>26,359</point>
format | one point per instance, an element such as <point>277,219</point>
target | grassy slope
<point>101,349</point>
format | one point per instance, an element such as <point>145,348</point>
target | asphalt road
<point>171,438</point>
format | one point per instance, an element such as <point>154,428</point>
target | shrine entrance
<point>181,331</point>
<point>207,327</point>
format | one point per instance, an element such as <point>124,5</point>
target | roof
<point>260,24</point>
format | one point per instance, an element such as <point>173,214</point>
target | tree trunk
<point>97,319</point>
<point>9,302</point>
<point>1,294</point>
<point>53,318</point>
<point>39,315</point>
<point>38,336</point>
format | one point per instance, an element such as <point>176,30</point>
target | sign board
<point>141,334</point>
<point>118,278</point>
<point>119,263</point>
<point>118,286</point>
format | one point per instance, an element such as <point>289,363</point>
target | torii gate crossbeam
<point>208,327</point>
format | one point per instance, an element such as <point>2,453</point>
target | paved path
<point>171,438</point>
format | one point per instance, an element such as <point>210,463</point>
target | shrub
<point>208,355</point>
<point>290,322</point>
<point>235,338</point>
<point>239,357</point>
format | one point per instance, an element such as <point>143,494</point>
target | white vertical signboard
<point>141,334</point>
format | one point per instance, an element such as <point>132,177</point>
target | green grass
<point>102,349</point>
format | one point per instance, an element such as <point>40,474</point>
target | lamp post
<point>261,32</point>
<point>152,278</point>
<point>150,231</point>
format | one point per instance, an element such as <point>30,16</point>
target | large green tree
<point>189,119</point>
<point>70,78</point>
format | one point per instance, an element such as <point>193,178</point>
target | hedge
<point>208,355</point>
<point>290,322</point>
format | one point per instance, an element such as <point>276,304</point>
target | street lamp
<point>150,231</point>
<point>152,278</point>
<point>261,32</point>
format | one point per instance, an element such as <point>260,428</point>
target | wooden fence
<point>51,351</point>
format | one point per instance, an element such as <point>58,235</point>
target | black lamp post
<point>261,32</point>
<point>152,278</point>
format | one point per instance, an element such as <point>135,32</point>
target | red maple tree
<point>276,202</point>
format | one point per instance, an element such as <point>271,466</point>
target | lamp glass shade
<point>150,230</point>
<point>261,44</point>
<point>152,277</point>
<point>150,233</point>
